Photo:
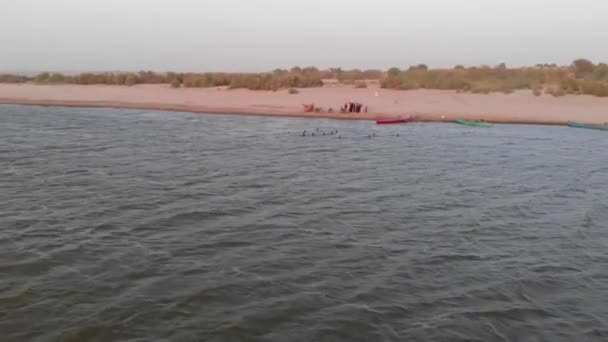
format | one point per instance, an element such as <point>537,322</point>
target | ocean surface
<point>126,225</point>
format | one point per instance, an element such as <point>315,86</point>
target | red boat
<point>395,121</point>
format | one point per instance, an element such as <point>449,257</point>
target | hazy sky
<point>251,35</point>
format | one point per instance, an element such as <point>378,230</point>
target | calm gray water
<point>140,226</point>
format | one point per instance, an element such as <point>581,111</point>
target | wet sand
<point>426,105</point>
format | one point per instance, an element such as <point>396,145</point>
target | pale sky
<point>256,35</point>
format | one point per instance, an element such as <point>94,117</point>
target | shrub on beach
<point>278,79</point>
<point>583,66</point>
<point>555,91</point>
<point>293,91</point>
<point>570,86</point>
<point>195,81</point>
<point>601,72</point>
<point>273,82</point>
<point>42,77</point>
<point>580,77</point>
<point>56,78</point>
<point>131,80</point>
<point>10,78</point>
<point>485,79</point>
<point>393,72</point>
<point>409,85</point>
<point>352,76</point>
<point>176,83</point>
<point>423,67</point>
<point>599,89</point>
<point>482,89</point>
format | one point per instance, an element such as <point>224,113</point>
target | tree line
<point>581,77</point>
<point>278,79</point>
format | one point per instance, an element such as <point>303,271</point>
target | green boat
<point>473,124</point>
<point>582,125</point>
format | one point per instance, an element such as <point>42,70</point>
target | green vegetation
<point>352,76</point>
<point>176,83</point>
<point>275,81</point>
<point>360,84</point>
<point>581,77</point>
<point>279,79</point>
<point>8,78</point>
<point>130,80</point>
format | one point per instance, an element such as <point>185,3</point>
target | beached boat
<point>395,121</point>
<point>472,124</point>
<point>582,125</point>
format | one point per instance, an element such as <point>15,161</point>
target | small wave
<point>21,298</point>
<point>522,314</point>
<point>555,269</point>
<point>216,227</point>
<point>596,216</point>
<point>32,266</point>
<point>447,258</point>
<point>83,334</point>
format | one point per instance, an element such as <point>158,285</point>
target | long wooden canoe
<point>472,124</point>
<point>582,125</point>
<point>395,121</point>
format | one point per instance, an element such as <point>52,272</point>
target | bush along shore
<point>581,77</point>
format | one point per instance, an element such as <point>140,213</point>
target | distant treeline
<point>9,78</point>
<point>275,80</point>
<point>581,77</point>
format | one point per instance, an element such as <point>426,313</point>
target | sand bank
<point>426,105</point>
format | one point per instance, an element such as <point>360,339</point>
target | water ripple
<point>136,225</point>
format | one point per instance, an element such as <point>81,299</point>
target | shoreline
<point>279,114</point>
<point>194,109</point>
<point>425,105</point>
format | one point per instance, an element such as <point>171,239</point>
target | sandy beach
<point>427,105</point>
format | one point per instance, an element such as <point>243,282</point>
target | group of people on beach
<point>353,107</point>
